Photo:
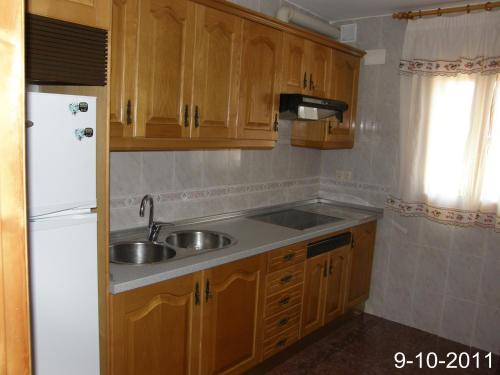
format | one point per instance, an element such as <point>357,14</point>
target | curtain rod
<point>439,12</point>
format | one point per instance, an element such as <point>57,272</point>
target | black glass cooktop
<point>295,219</point>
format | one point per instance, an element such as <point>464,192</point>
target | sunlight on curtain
<point>449,126</point>
<point>491,183</point>
<point>449,161</point>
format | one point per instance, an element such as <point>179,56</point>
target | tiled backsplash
<point>194,183</point>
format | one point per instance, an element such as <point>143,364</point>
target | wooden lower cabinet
<point>232,316</point>
<point>156,329</point>
<point>325,288</point>
<point>336,283</point>
<point>227,319</point>
<point>360,264</point>
<point>314,293</point>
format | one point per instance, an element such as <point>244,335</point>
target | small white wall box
<point>374,57</point>
<point>348,32</point>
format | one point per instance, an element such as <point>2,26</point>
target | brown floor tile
<point>365,344</point>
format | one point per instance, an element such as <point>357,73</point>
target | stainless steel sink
<point>140,252</point>
<point>199,240</point>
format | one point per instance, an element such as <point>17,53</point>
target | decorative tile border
<point>331,183</point>
<point>215,192</point>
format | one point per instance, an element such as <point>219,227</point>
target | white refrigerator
<point>61,186</point>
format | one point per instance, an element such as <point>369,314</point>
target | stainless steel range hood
<point>310,108</point>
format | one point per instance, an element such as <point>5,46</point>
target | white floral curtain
<point>450,120</point>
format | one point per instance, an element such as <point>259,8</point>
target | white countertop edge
<point>217,260</point>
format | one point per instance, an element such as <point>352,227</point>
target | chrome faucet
<point>148,199</point>
<point>153,226</point>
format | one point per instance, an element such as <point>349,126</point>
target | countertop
<point>254,237</point>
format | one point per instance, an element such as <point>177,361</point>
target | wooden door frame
<point>14,294</point>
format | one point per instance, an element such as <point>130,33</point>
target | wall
<point>198,183</point>
<point>438,278</point>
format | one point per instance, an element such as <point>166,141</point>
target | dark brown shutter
<point>59,52</point>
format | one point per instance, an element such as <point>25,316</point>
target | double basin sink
<point>177,244</point>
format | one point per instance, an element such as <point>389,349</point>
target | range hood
<point>310,108</point>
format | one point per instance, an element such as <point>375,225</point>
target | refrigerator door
<point>64,299</point>
<point>61,152</point>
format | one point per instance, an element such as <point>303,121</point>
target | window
<point>455,159</point>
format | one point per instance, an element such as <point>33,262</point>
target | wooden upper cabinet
<point>345,87</point>
<point>232,317</point>
<point>294,75</point>
<point>314,293</point>
<point>318,69</point>
<point>216,73</point>
<point>123,61</point>
<point>94,13</point>
<point>330,133</point>
<point>188,74</point>
<point>164,77</point>
<point>260,82</point>
<point>306,67</point>
<point>338,266</point>
<point>360,264</point>
<point>155,329</point>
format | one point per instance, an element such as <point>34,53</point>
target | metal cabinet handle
<point>311,83</point>
<point>276,125</point>
<point>288,257</point>
<point>305,80</point>
<point>283,322</point>
<point>129,112</point>
<point>186,116</point>
<point>197,294</point>
<point>196,117</point>
<point>286,279</point>
<point>207,291</point>
<point>282,342</point>
<point>284,301</point>
<point>325,270</point>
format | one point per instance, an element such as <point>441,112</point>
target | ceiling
<point>335,10</point>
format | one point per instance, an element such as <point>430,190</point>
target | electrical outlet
<point>348,175</point>
<point>339,175</point>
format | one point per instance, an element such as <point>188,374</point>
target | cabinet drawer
<point>280,342</point>
<point>285,257</point>
<point>285,278</point>
<point>277,324</point>
<point>281,301</point>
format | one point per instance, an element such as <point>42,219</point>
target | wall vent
<point>348,33</point>
<point>59,52</point>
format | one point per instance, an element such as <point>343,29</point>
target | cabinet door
<point>336,283</point>
<point>122,103</point>
<point>94,13</point>
<point>155,329</point>
<point>360,264</point>
<point>260,82</point>
<point>319,68</point>
<point>294,75</point>
<point>345,88</point>
<point>165,63</point>
<point>314,293</point>
<point>217,68</point>
<point>232,316</point>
